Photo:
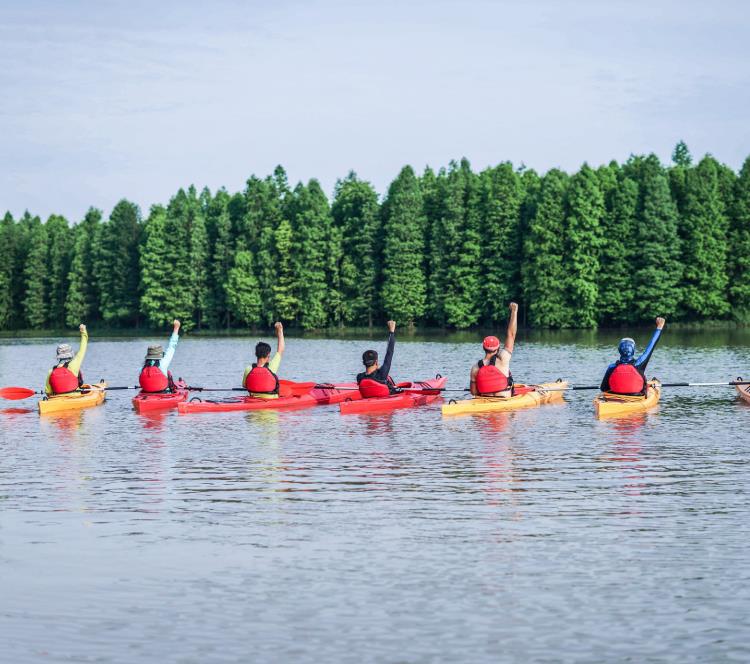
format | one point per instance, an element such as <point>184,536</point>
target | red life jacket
<point>63,381</point>
<point>370,388</point>
<point>626,379</point>
<point>490,379</point>
<point>152,379</point>
<point>261,380</point>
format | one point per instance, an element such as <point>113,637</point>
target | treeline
<point>614,245</point>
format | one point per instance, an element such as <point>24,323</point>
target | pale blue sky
<point>104,100</point>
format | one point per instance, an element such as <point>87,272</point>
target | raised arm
<point>510,337</point>
<point>280,347</point>
<point>171,346</point>
<point>385,368</point>
<point>645,356</point>
<point>75,363</point>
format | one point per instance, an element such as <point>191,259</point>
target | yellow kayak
<point>543,394</point>
<point>614,405</point>
<point>92,396</point>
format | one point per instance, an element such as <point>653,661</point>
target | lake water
<point>307,536</point>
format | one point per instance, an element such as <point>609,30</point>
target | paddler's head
<point>154,354</point>
<point>370,360</point>
<point>626,348</point>
<point>64,353</point>
<point>262,352</point>
<point>491,345</point>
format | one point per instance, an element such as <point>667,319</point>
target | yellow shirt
<point>74,366</point>
<point>273,365</point>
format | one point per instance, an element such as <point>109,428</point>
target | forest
<point>606,246</point>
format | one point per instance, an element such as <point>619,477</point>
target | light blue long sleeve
<point>169,353</point>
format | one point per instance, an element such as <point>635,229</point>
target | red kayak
<point>146,402</point>
<point>320,395</point>
<point>414,394</point>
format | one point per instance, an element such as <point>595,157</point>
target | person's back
<point>375,380</point>
<point>66,377</point>
<point>627,376</point>
<point>155,375</point>
<point>491,376</point>
<point>261,379</point>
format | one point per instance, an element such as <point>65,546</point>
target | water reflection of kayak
<point>320,395</point>
<point>413,394</point>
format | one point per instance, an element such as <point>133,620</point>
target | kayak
<point>318,396</point>
<point>90,396</point>
<point>414,394</point>
<point>146,402</point>
<point>614,405</point>
<point>743,390</point>
<point>538,395</point>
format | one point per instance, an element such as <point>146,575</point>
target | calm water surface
<point>308,536</point>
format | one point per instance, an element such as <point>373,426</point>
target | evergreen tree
<point>117,263</point>
<point>500,264</point>
<point>682,160</point>
<point>242,289</point>
<point>739,256</point>
<point>656,267</point>
<point>704,244</point>
<point>7,262</point>
<point>456,248</point>
<point>285,302</point>
<point>165,260</point>
<point>60,245</point>
<point>35,302</point>
<point>618,252</point>
<point>403,292</point>
<point>82,302</point>
<point>544,269</point>
<point>355,212</point>
<point>311,222</point>
<point>681,155</point>
<point>222,256</point>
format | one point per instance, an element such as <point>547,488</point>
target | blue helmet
<point>626,349</point>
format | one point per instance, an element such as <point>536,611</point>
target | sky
<point>108,100</point>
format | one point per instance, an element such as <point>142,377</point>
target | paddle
<point>598,387</point>
<point>16,393</point>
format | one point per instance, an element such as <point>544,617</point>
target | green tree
<point>704,244</point>
<point>7,262</point>
<point>311,224</point>
<point>583,235</point>
<point>456,248</point>
<point>544,269</point>
<point>500,265</point>
<point>285,302</point>
<point>83,300</point>
<point>403,292</point>
<point>60,246</point>
<point>222,256</point>
<point>356,213</point>
<point>242,289</point>
<point>35,302</point>
<point>656,264</point>
<point>739,256</point>
<point>117,264</point>
<point>618,252</point>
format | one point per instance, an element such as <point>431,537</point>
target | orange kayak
<point>414,394</point>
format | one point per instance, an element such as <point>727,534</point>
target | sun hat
<point>154,353</point>
<point>65,352</point>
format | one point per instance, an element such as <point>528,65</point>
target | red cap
<point>491,344</point>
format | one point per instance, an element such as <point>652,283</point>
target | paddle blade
<point>16,393</point>
<point>288,388</point>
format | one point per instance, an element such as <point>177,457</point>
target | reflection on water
<point>537,535</point>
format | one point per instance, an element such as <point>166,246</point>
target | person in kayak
<point>375,380</point>
<point>260,379</point>
<point>155,375</point>
<point>491,377</point>
<point>66,377</point>
<point>627,376</point>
